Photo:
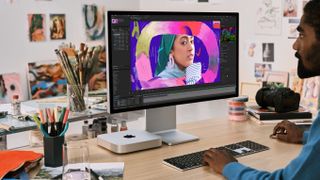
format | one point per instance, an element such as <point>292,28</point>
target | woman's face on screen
<point>183,50</point>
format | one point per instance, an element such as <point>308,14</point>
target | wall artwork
<point>36,28</point>
<point>46,79</point>
<point>290,8</point>
<point>57,26</point>
<point>260,70</point>
<point>310,93</point>
<point>268,17</point>
<point>10,85</point>
<point>296,83</point>
<point>275,79</point>
<point>253,50</point>
<point>98,79</point>
<point>94,22</point>
<point>268,52</point>
<point>292,28</point>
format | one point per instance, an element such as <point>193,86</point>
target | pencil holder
<point>77,95</point>
<point>53,151</point>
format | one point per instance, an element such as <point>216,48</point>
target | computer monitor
<point>157,60</point>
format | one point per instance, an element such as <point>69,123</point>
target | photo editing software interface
<point>167,58</point>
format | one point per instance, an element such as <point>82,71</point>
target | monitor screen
<point>160,59</point>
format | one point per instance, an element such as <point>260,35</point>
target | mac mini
<point>129,141</point>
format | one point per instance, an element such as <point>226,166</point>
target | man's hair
<point>312,16</point>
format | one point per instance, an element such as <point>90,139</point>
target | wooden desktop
<point>148,164</point>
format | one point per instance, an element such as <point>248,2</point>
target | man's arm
<point>305,166</point>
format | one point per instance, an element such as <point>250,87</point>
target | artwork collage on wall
<point>271,17</point>
<point>45,78</point>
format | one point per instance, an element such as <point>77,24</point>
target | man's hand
<point>217,159</point>
<point>288,132</point>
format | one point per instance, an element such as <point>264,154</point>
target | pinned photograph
<point>290,8</point>
<point>253,50</point>
<point>46,79</point>
<point>268,52</point>
<point>57,26</point>
<point>10,85</point>
<point>261,69</point>
<point>292,28</point>
<point>36,28</point>
<point>94,22</point>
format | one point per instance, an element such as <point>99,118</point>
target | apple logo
<point>129,136</point>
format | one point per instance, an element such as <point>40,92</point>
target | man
<point>306,165</point>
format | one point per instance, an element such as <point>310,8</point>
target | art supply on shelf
<point>114,126</point>
<point>16,105</point>
<point>85,128</point>
<point>35,138</point>
<point>91,132</point>
<point>123,126</point>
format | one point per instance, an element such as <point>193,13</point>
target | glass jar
<point>77,96</point>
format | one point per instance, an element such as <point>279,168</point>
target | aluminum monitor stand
<point>162,122</point>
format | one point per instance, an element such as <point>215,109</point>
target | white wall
<point>15,48</point>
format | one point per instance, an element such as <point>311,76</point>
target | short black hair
<point>312,16</point>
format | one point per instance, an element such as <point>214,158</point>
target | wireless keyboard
<point>194,160</point>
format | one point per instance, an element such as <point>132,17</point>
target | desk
<point>212,133</point>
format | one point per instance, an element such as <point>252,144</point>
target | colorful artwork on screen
<point>46,79</point>
<point>156,61</point>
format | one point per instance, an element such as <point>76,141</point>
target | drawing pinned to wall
<point>290,8</point>
<point>36,27</point>
<point>269,17</point>
<point>268,52</point>
<point>253,50</point>
<point>310,93</point>
<point>57,26</point>
<point>46,79</point>
<point>94,22</point>
<point>292,28</point>
<point>10,85</point>
<point>260,69</point>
